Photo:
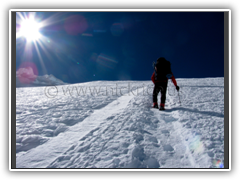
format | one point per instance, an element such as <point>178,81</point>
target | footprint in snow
<point>168,119</point>
<point>166,133</point>
<point>168,148</point>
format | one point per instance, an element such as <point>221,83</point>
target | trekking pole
<point>179,98</point>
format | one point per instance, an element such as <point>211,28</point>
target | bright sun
<point>30,29</point>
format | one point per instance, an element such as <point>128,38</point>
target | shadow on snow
<point>209,113</point>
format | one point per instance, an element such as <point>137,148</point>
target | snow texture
<point>110,124</point>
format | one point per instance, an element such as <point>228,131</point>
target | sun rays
<point>28,33</point>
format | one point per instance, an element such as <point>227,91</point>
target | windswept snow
<point>110,124</point>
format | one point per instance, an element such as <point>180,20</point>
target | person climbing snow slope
<point>162,72</point>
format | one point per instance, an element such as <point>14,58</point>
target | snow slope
<point>110,124</point>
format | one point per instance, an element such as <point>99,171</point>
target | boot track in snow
<point>126,133</point>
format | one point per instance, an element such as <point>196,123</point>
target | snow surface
<point>110,124</point>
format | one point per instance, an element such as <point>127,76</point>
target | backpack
<point>163,71</point>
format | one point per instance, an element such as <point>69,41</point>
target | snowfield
<point>110,124</point>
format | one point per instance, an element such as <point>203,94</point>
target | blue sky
<point>87,46</point>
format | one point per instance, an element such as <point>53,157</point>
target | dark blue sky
<point>89,46</point>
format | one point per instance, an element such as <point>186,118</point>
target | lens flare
<point>117,29</point>
<point>27,72</point>
<point>106,61</point>
<point>87,34</point>
<point>75,25</point>
<point>127,22</point>
<point>218,164</point>
<point>196,145</point>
